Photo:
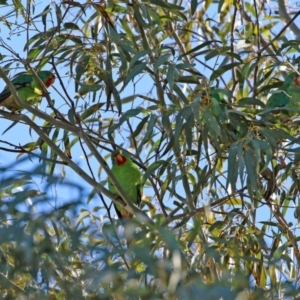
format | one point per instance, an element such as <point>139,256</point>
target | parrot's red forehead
<point>119,158</point>
<point>297,80</point>
<point>50,80</point>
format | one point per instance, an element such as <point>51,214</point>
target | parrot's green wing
<point>278,99</point>
<point>129,177</point>
<point>47,78</point>
<point>287,95</point>
<point>20,81</point>
<point>27,89</point>
<point>214,101</point>
<point>294,92</point>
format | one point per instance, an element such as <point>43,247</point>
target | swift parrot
<point>288,95</point>
<point>129,177</point>
<point>27,89</point>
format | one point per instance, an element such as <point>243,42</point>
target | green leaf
<point>128,99</point>
<point>136,57</point>
<point>80,69</point>
<point>188,126</point>
<point>43,14</point>
<point>75,4</point>
<point>34,52</point>
<point>170,76</point>
<point>241,162</point>
<point>10,126</point>
<point>124,56</point>
<point>73,26</point>
<point>267,150</point>
<point>188,79</point>
<point>139,68</point>
<point>75,39</point>
<point>196,109</point>
<point>129,114</point>
<point>139,18</point>
<point>194,4</point>
<point>232,171</point>
<point>193,50</point>
<point>217,73</point>
<point>250,169</point>
<point>180,94</point>
<point>140,126</point>
<point>211,121</point>
<point>149,131</point>
<point>71,116</point>
<point>128,31</point>
<point>212,54</point>
<point>117,99</point>
<point>165,4</point>
<point>250,101</point>
<point>277,255</point>
<point>87,88</point>
<point>58,14</point>
<point>257,154</point>
<point>290,43</point>
<point>184,114</point>
<point>91,110</point>
<point>248,68</point>
<point>161,61</point>
<point>234,55</point>
<point>151,169</point>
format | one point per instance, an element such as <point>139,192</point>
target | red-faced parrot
<point>129,177</point>
<point>27,89</point>
<point>288,95</point>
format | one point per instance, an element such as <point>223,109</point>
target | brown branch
<point>279,33</point>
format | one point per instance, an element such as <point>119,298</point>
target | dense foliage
<point>183,86</point>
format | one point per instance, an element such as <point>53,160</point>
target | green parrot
<point>27,88</point>
<point>129,177</point>
<point>288,95</point>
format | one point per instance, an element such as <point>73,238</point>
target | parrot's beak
<point>118,157</point>
<point>50,81</point>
